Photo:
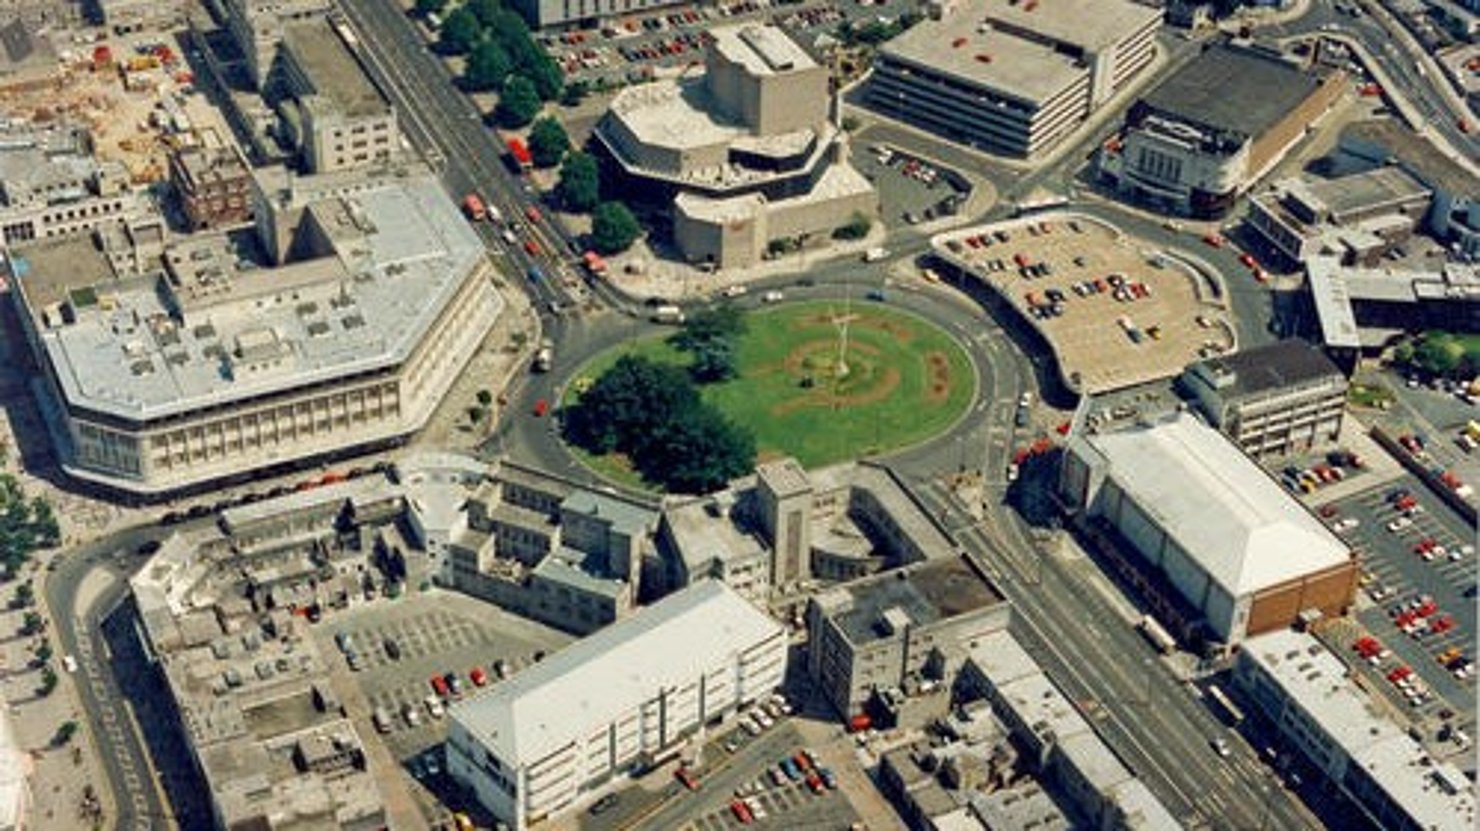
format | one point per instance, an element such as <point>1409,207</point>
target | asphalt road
<point>79,632</point>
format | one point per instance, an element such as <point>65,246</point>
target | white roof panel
<point>590,683</point>
<point>1235,521</point>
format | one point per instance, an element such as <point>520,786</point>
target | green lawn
<point>906,381</point>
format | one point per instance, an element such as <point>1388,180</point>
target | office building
<point>1275,400</point>
<point>903,628</point>
<point>1295,683</point>
<point>1227,552</point>
<point>1363,310</point>
<point>570,728</point>
<point>1059,746</point>
<point>258,27</point>
<point>1211,129</point>
<point>1013,78</point>
<point>250,689</point>
<point>214,186</point>
<point>216,360</point>
<point>1454,216</point>
<point>783,528</point>
<point>335,115</point>
<point>51,186</point>
<point>582,13</point>
<point>1359,217</point>
<point>744,154</point>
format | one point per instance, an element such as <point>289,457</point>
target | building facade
<point>746,154</point>
<point>338,117</point>
<point>258,28</point>
<point>214,186</point>
<point>1275,400</point>
<point>1222,544</point>
<point>1305,691</point>
<point>1006,78</point>
<point>571,728</point>
<point>188,372</point>
<point>1210,130</point>
<point>915,624</point>
<point>1359,217</point>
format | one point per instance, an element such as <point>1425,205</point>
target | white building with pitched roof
<point>569,728</point>
<point>1209,523</point>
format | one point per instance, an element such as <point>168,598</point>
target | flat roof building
<point>1454,217</point>
<point>1236,547</point>
<point>573,726</point>
<point>1278,399</point>
<point>201,365</point>
<point>882,632</point>
<point>1212,128</point>
<point>1013,78</point>
<point>1361,310</point>
<point>338,117</point>
<point>1306,691</point>
<point>214,186</point>
<point>746,153</point>
<point>1358,217</point>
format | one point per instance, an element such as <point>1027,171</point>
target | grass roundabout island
<point>822,381</point>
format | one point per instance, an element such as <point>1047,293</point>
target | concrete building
<point>1058,745</point>
<point>783,528</point>
<point>744,154</point>
<point>1358,217</point>
<point>1013,78</point>
<point>899,629</point>
<point>1234,553</point>
<point>214,186</point>
<point>572,727</point>
<point>1209,131</point>
<point>250,689</point>
<point>60,14</point>
<point>1275,400</point>
<point>15,778</point>
<point>52,186</point>
<point>128,16</point>
<point>204,365</point>
<point>259,26</point>
<point>335,115</point>
<point>544,547</point>
<point>582,13</point>
<point>1454,215</point>
<point>1362,310</point>
<point>1306,692</point>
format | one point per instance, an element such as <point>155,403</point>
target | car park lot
<point>916,190</point>
<point>401,644</point>
<point>1115,311</point>
<point>1417,586</point>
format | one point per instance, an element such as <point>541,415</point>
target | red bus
<point>520,154</point>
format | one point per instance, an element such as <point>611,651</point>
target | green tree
<point>429,7</point>
<point>44,652</point>
<point>65,731</point>
<point>856,228</point>
<point>32,623</point>
<point>547,142</point>
<point>25,595</point>
<point>518,103</point>
<point>488,65</point>
<point>44,529</point>
<point>626,404</point>
<point>697,451</point>
<point>575,92</point>
<point>580,182</point>
<point>460,31</point>
<point>713,361</point>
<point>48,682</point>
<point>546,75</point>
<point>613,228</point>
<point>485,398</point>
<point>487,12</point>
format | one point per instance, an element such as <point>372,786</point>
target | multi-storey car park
<point>161,373</point>
<point>1013,78</point>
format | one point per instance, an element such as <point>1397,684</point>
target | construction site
<point>137,99</point>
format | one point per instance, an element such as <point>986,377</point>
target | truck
<point>473,208</point>
<point>668,314</point>
<point>519,154</point>
<point>544,357</point>
<point>1157,635</point>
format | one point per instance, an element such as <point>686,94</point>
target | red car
<point>1215,240</point>
<point>1247,259</point>
<point>1329,511</point>
<point>541,407</point>
<point>478,676</point>
<point>533,213</point>
<point>688,778</point>
<point>741,812</point>
<point>1443,624</point>
<point>531,248</point>
<point>815,782</point>
<point>440,686</point>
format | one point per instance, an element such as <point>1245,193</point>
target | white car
<point>1399,524</point>
<point>434,706</point>
<point>1220,746</point>
<point>772,296</point>
<point>734,291</point>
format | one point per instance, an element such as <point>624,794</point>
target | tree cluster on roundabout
<point>709,336</point>
<point>652,413</point>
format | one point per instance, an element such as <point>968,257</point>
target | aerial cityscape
<point>811,415</point>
